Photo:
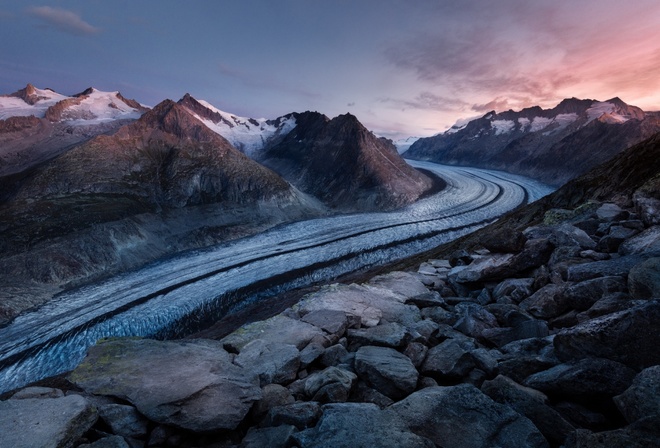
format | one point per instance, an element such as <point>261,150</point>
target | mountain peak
<point>87,91</point>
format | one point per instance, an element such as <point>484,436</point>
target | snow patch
<point>15,107</point>
<point>502,126</point>
<point>100,106</point>
<point>403,144</point>
<point>600,108</point>
<point>249,135</point>
<point>524,123</point>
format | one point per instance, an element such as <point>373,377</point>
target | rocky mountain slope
<point>158,185</point>
<point>551,145</point>
<point>248,135</point>
<point>339,161</point>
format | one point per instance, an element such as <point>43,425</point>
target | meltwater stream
<point>178,295</point>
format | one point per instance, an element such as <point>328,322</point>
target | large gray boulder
<point>644,280</point>
<point>614,267</point>
<point>385,335</point>
<point>190,384</point>
<point>630,337</point>
<point>331,385</point>
<point>451,359</point>
<point>370,303</point>
<point>280,328</point>
<point>463,417</point>
<point>124,420</point>
<point>272,361</point>
<point>359,425</point>
<point>590,376</point>
<point>45,422</point>
<point>646,242</point>
<point>642,398</point>
<point>530,403</point>
<point>386,370</point>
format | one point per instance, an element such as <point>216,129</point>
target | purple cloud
<point>63,20</point>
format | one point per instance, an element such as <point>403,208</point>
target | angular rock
<point>473,319</point>
<point>273,437</point>
<point>280,328</point>
<point>331,385</point>
<point>642,398</point>
<point>590,376</point>
<point>517,289</point>
<point>272,362</point>
<point>272,395</point>
<point>334,355</point>
<point>561,235</point>
<point>427,299</point>
<point>37,392</point>
<point>611,303</point>
<point>460,257</point>
<point>628,437</point>
<point>416,351</point>
<point>365,394</point>
<point>611,212</point>
<point>211,393</point>
<point>439,315</point>
<point>301,415</point>
<point>371,304</point>
<point>644,280</point>
<point>463,417</point>
<point>581,296</point>
<point>449,360</point>
<point>107,442</point>
<point>425,328</point>
<point>404,284</point>
<point>630,337</point>
<point>312,351</point>
<point>385,335</point>
<point>330,321</point>
<point>648,207</point>
<point>614,267</point>
<point>482,269</point>
<point>617,235</point>
<point>45,422</point>
<point>546,303</point>
<point>124,420</point>
<point>647,242</point>
<point>359,425</point>
<point>386,370</point>
<point>530,403</point>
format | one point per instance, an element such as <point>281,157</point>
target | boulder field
<point>551,341</point>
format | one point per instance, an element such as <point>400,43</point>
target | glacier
<point>178,295</point>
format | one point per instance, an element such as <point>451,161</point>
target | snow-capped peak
<point>249,135</point>
<point>28,101</point>
<point>90,106</point>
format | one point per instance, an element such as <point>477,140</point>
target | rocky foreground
<point>549,341</point>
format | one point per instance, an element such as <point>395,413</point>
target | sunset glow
<point>404,68</point>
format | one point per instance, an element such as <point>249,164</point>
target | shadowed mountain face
<point>343,164</point>
<point>552,145</point>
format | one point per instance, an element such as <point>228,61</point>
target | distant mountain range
<point>551,145</point>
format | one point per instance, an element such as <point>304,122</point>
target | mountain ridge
<point>551,145</point>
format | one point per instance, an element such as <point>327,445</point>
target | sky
<point>404,68</point>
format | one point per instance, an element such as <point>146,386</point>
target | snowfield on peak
<point>12,106</point>
<point>90,107</point>
<point>249,135</point>
<point>100,106</point>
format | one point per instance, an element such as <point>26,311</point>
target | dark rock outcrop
<point>343,164</point>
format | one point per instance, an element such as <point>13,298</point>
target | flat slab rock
<point>45,422</point>
<point>371,304</point>
<point>189,384</point>
<point>278,328</point>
